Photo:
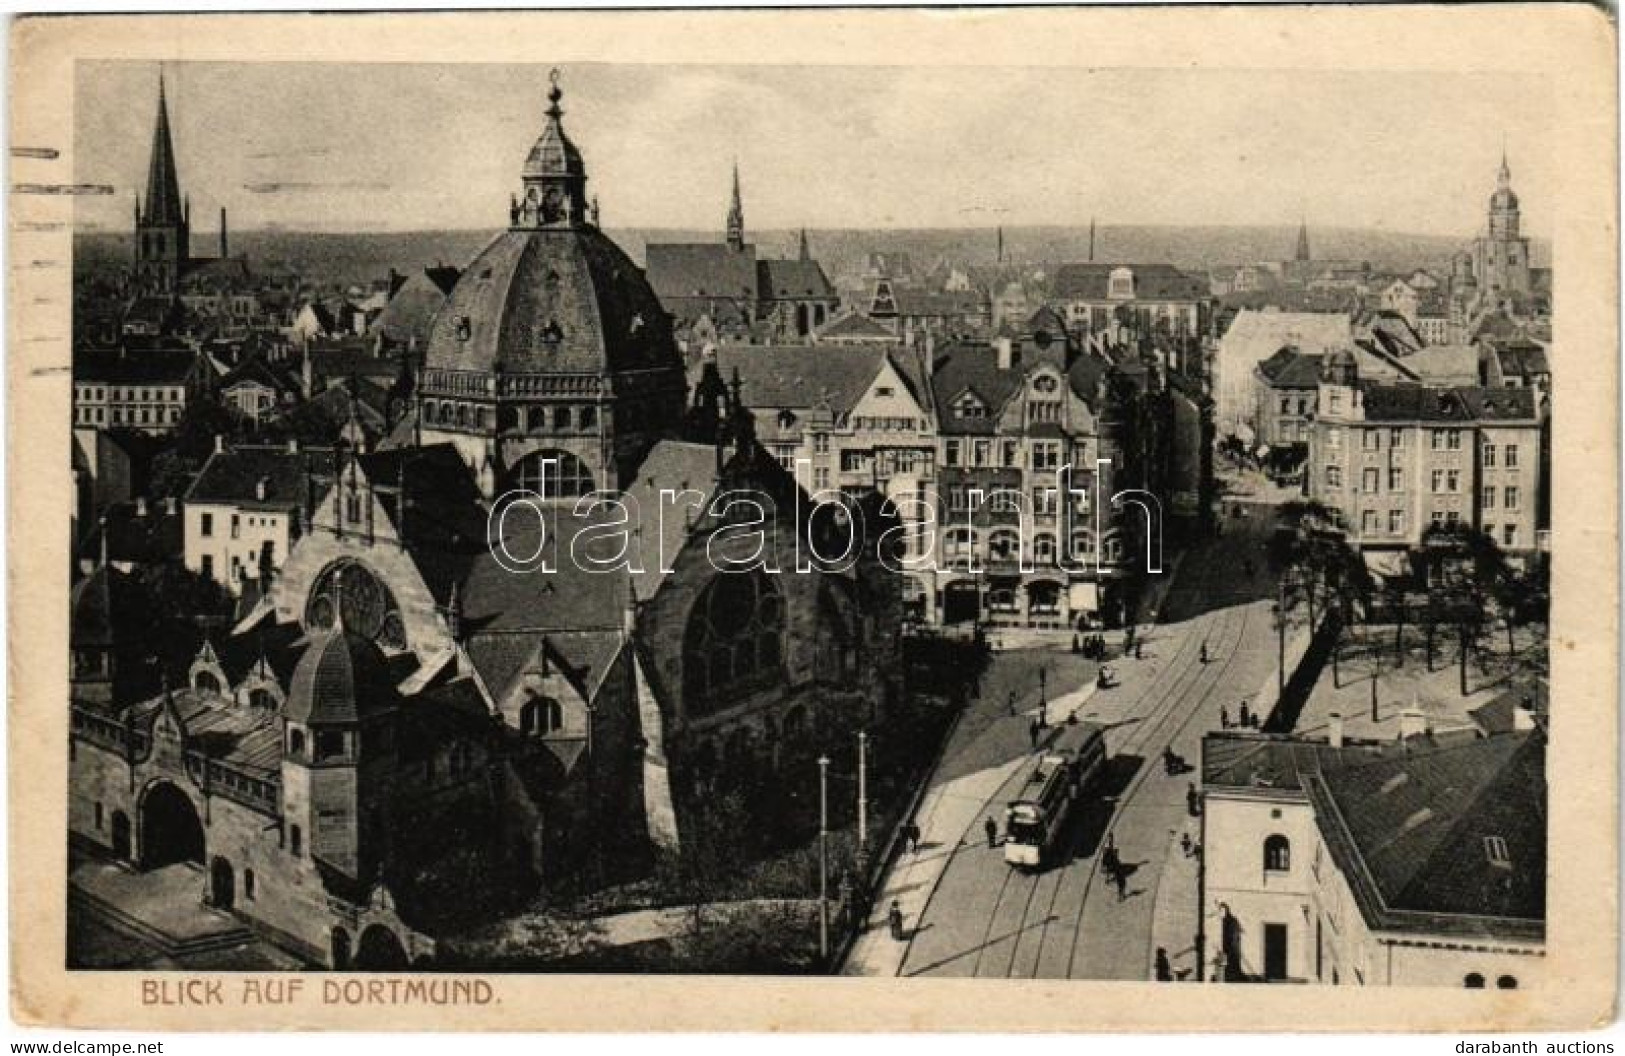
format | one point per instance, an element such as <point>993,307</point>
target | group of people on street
<point>1112,863</point>
<point>1247,719</point>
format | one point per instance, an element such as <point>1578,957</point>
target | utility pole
<point>823,858</point>
<point>863,792</point>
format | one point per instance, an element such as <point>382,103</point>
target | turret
<point>736,217</point>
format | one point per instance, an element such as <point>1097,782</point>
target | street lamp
<point>1043,696</point>
<point>823,858</point>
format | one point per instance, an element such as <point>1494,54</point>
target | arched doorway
<point>170,829</point>
<point>121,835</point>
<point>341,948</point>
<point>380,950</point>
<point>222,884</point>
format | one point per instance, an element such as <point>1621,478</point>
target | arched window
<point>296,743</point>
<point>1083,543</point>
<point>959,543</point>
<point>262,698</point>
<point>1474,981</point>
<point>1507,982</point>
<point>1004,545</point>
<point>508,418</point>
<point>205,682</point>
<point>537,419</point>
<point>1277,854</point>
<point>1044,548</point>
<point>368,607</point>
<point>552,474</point>
<point>248,883</point>
<point>561,418</point>
<point>462,415</point>
<point>541,716</point>
<point>296,841</point>
<point>732,640</point>
<point>587,417</point>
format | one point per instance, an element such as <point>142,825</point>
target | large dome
<point>552,300</point>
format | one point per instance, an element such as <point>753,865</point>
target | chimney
<point>293,445</point>
<point>223,253</point>
<point>259,489</point>
<point>1412,723</point>
<point>1005,350</point>
<point>170,505</point>
<point>141,506</point>
<point>1334,729</point>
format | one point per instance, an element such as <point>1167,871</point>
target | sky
<point>397,146</point>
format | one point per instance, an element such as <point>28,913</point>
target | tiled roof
<point>792,279</point>
<point>1521,359</point>
<point>1445,364</point>
<point>551,300</point>
<point>919,302</point>
<point>852,326</point>
<point>234,475</point>
<point>1409,822</point>
<point>142,537</point>
<point>169,366</point>
<point>1291,369</point>
<point>411,309</point>
<point>444,523</point>
<point>1415,403</point>
<point>679,270</point>
<point>801,377</point>
<point>1152,282</point>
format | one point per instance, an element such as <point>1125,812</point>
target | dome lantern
<point>554,178</point>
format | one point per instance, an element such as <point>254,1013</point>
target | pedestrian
<point>894,918</point>
<point>1193,801</point>
<point>1032,732</point>
<point>1120,878</point>
<point>1165,971</point>
<point>1224,717</point>
<point>1185,843</point>
<point>991,827</point>
<point>1253,720</point>
<point>1138,649</point>
<point>1077,646</point>
<point>1245,715</point>
<point>1110,861</point>
<point>1012,702</point>
<point>911,835</point>
<point>1204,652</point>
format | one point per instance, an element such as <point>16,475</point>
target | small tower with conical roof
<point>162,230</point>
<point>736,217</point>
<point>554,179</point>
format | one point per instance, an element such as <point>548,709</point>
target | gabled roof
<point>797,376</point>
<point>851,326</point>
<point>792,279</point>
<point>141,536</point>
<point>1445,364</point>
<point>154,366</point>
<point>679,270</point>
<point>1090,281</point>
<point>411,309</point>
<point>234,475</point>
<point>1291,369</point>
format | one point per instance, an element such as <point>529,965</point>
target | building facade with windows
<point>1393,459</point>
<point>1420,862</point>
<point>247,508</point>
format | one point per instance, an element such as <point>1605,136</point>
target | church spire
<point>163,182</point>
<point>736,217</point>
<point>1302,252</point>
<point>802,251</point>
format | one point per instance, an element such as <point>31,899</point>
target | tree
<point>700,870</point>
<point>1465,571</point>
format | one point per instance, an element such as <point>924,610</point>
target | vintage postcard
<point>969,519</point>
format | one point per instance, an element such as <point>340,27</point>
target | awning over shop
<point>1388,564</point>
<point>1084,597</point>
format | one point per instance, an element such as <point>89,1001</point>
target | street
<point>969,914</point>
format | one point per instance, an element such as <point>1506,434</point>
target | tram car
<point>1057,780</point>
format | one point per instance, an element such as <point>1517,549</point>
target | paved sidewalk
<point>1174,917</point>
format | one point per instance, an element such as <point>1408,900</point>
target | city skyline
<point>300,165</point>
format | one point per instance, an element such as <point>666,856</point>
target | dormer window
<point>465,328</point>
<point>1120,286</point>
<point>1495,852</point>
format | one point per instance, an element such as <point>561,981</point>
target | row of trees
<point>1459,581</point>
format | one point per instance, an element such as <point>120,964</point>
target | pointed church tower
<point>161,230</point>
<point>736,217</point>
<point>1301,254</point>
<point>802,251</point>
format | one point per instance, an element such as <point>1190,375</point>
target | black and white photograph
<point>890,521</point>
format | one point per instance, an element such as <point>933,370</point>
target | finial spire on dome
<point>554,176</point>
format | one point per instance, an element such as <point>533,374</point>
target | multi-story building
<point>1254,336</point>
<point>1015,549</point>
<point>853,419</point>
<point>248,507</point>
<point>1284,387</point>
<point>1418,862</point>
<point>1393,459</point>
<point>1143,298</point>
<point>142,390</point>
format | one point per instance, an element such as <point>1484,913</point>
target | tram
<point>1056,781</point>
